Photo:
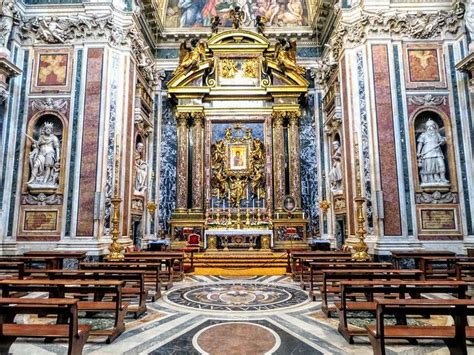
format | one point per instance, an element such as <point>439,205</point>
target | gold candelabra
<point>360,247</point>
<point>115,248</point>
<point>324,205</point>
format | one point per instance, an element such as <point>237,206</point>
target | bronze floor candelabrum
<point>360,248</point>
<point>115,248</point>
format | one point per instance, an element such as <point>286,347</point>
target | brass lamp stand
<point>360,247</point>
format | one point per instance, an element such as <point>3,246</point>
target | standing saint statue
<point>44,158</point>
<point>430,156</point>
<point>141,168</point>
<point>335,174</point>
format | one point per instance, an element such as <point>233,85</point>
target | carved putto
<point>45,159</point>
<point>431,160</point>
<point>237,16</point>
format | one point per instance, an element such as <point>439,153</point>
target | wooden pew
<point>373,290</point>
<point>12,269</point>
<point>454,336</point>
<point>332,279</point>
<point>66,308</point>
<point>416,255</point>
<point>59,254</point>
<point>304,266</point>
<point>62,288</point>
<point>46,262</point>
<point>440,268</point>
<point>134,282</point>
<point>464,270</point>
<point>299,258</point>
<point>171,259</point>
<point>317,267</point>
<point>152,270</point>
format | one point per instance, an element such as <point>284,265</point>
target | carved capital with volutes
<point>182,118</point>
<point>278,118</point>
<point>293,118</point>
<point>198,118</point>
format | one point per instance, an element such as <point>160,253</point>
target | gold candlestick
<point>258,212</point>
<point>360,247</point>
<point>247,215</point>
<point>115,248</point>
<point>238,216</point>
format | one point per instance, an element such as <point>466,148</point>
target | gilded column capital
<point>278,118</point>
<point>293,117</point>
<point>198,118</point>
<point>182,118</point>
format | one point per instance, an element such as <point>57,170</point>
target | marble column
<point>278,159</point>
<point>197,163</point>
<point>182,163</point>
<point>294,156</point>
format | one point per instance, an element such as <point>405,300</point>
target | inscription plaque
<point>40,221</point>
<point>438,219</point>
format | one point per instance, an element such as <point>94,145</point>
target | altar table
<point>237,232</point>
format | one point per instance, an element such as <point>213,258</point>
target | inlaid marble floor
<point>223,315</point>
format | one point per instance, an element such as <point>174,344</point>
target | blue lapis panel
<point>169,151</point>
<point>309,165</point>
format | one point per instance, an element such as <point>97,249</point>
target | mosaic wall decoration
<point>169,147</point>
<point>309,165</point>
<point>198,13</point>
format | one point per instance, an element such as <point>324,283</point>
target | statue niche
<point>45,155</point>
<point>335,173</point>
<point>431,150</point>
<point>141,166</point>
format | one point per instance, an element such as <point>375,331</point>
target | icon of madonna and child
<point>198,13</point>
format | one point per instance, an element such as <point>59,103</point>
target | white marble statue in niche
<point>335,174</point>
<point>431,160</point>
<point>45,159</point>
<point>141,168</point>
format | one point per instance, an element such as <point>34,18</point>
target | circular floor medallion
<point>247,338</point>
<point>237,297</point>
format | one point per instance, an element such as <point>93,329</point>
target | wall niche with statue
<point>434,176</point>
<point>43,177</point>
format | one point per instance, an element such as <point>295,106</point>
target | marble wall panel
<point>90,140</point>
<point>129,149</point>
<point>169,151</point>
<point>386,138</point>
<point>309,166</point>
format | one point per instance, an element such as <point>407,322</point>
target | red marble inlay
<point>90,139</point>
<point>52,70</point>
<point>386,138</point>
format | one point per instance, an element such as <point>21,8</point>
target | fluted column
<point>197,164</point>
<point>182,163</point>
<point>278,159</point>
<point>294,156</point>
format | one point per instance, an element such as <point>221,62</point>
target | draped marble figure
<point>335,174</point>
<point>44,158</point>
<point>141,168</point>
<point>430,155</point>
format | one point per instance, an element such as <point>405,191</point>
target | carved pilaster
<point>294,156</point>
<point>278,159</point>
<point>198,166</point>
<point>182,163</point>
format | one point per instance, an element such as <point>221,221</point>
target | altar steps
<point>240,263</point>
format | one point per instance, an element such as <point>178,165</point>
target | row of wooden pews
<point>117,288</point>
<point>381,289</point>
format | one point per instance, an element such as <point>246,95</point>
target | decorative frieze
<point>428,100</point>
<point>436,197</point>
<point>50,104</point>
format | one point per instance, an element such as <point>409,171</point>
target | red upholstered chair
<point>194,242</point>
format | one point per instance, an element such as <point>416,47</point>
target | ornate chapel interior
<point>236,130</point>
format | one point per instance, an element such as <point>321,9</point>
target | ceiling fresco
<point>198,13</point>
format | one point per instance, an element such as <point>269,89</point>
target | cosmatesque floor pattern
<point>225,315</point>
